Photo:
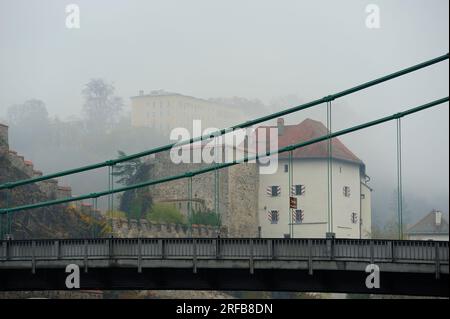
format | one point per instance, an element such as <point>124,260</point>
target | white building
<point>166,110</point>
<point>432,227</point>
<point>351,196</point>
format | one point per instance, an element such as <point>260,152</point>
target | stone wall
<point>238,191</point>
<point>3,139</point>
<point>63,192</point>
<point>124,228</point>
<point>49,187</point>
<point>243,183</point>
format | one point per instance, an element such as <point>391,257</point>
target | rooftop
<point>307,130</point>
<point>428,225</point>
<point>154,93</point>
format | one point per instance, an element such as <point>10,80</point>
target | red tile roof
<point>307,130</point>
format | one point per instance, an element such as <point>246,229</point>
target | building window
<point>274,216</point>
<point>286,168</point>
<point>273,191</point>
<point>354,218</point>
<point>363,196</point>
<point>298,216</point>
<point>346,191</point>
<point>298,190</point>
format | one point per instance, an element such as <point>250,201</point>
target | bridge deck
<point>421,265</point>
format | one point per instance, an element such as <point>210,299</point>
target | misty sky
<point>255,49</point>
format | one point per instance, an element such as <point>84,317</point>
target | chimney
<point>438,216</point>
<point>280,126</point>
<point>141,92</point>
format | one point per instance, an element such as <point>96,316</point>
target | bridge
<point>290,264</point>
<point>312,265</point>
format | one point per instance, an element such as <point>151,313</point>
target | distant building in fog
<point>432,227</point>
<point>164,111</point>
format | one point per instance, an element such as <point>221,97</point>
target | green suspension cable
<point>235,162</point>
<point>112,187</point>
<point>216,184</point>
<point>94,211</point>
<point>190,217</point>
<point>9,215</point>
<point>241,125</point>
<point>291,182</point>
<point>4,219</point>
<point>109,196</point>
<point>217,194</point>
<point>330,169</point>
<point>399,179</point>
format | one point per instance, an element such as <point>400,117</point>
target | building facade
<point>164,111</point>
<point>432,227</point>
<point>349,215</point>
<point>254,204</point>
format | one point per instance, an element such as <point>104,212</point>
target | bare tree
<point>101,106</point>
<point>31,111</point>
<point>30,123</point>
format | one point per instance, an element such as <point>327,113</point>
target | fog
<point>280,52</point>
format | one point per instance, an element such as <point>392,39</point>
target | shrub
<point>205,218</point>
<point>115,214</point>
<point>165,213</point>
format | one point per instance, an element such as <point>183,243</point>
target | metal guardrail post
<point>5,250</point>
<point>33,257</point>
<point>110,248</point>
<point>194,255</point>
<point>330,248</point>
<point>217,248</point>
<point>437,260</point>
<point>392,250</point>
<point>162,248</point>
<point>85,256</point>
<point>139,261</point>
<point>372,257</point>
<point>310,261</point>
<point>57,249</point>
<point>270,249</point>
<point>251,261</point>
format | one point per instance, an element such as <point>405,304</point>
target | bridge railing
<point>226,248</point>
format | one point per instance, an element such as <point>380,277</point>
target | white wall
<point>429,237</point>
<point>366,211</point>
<point>313,174</point>
<point>166,112</point>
